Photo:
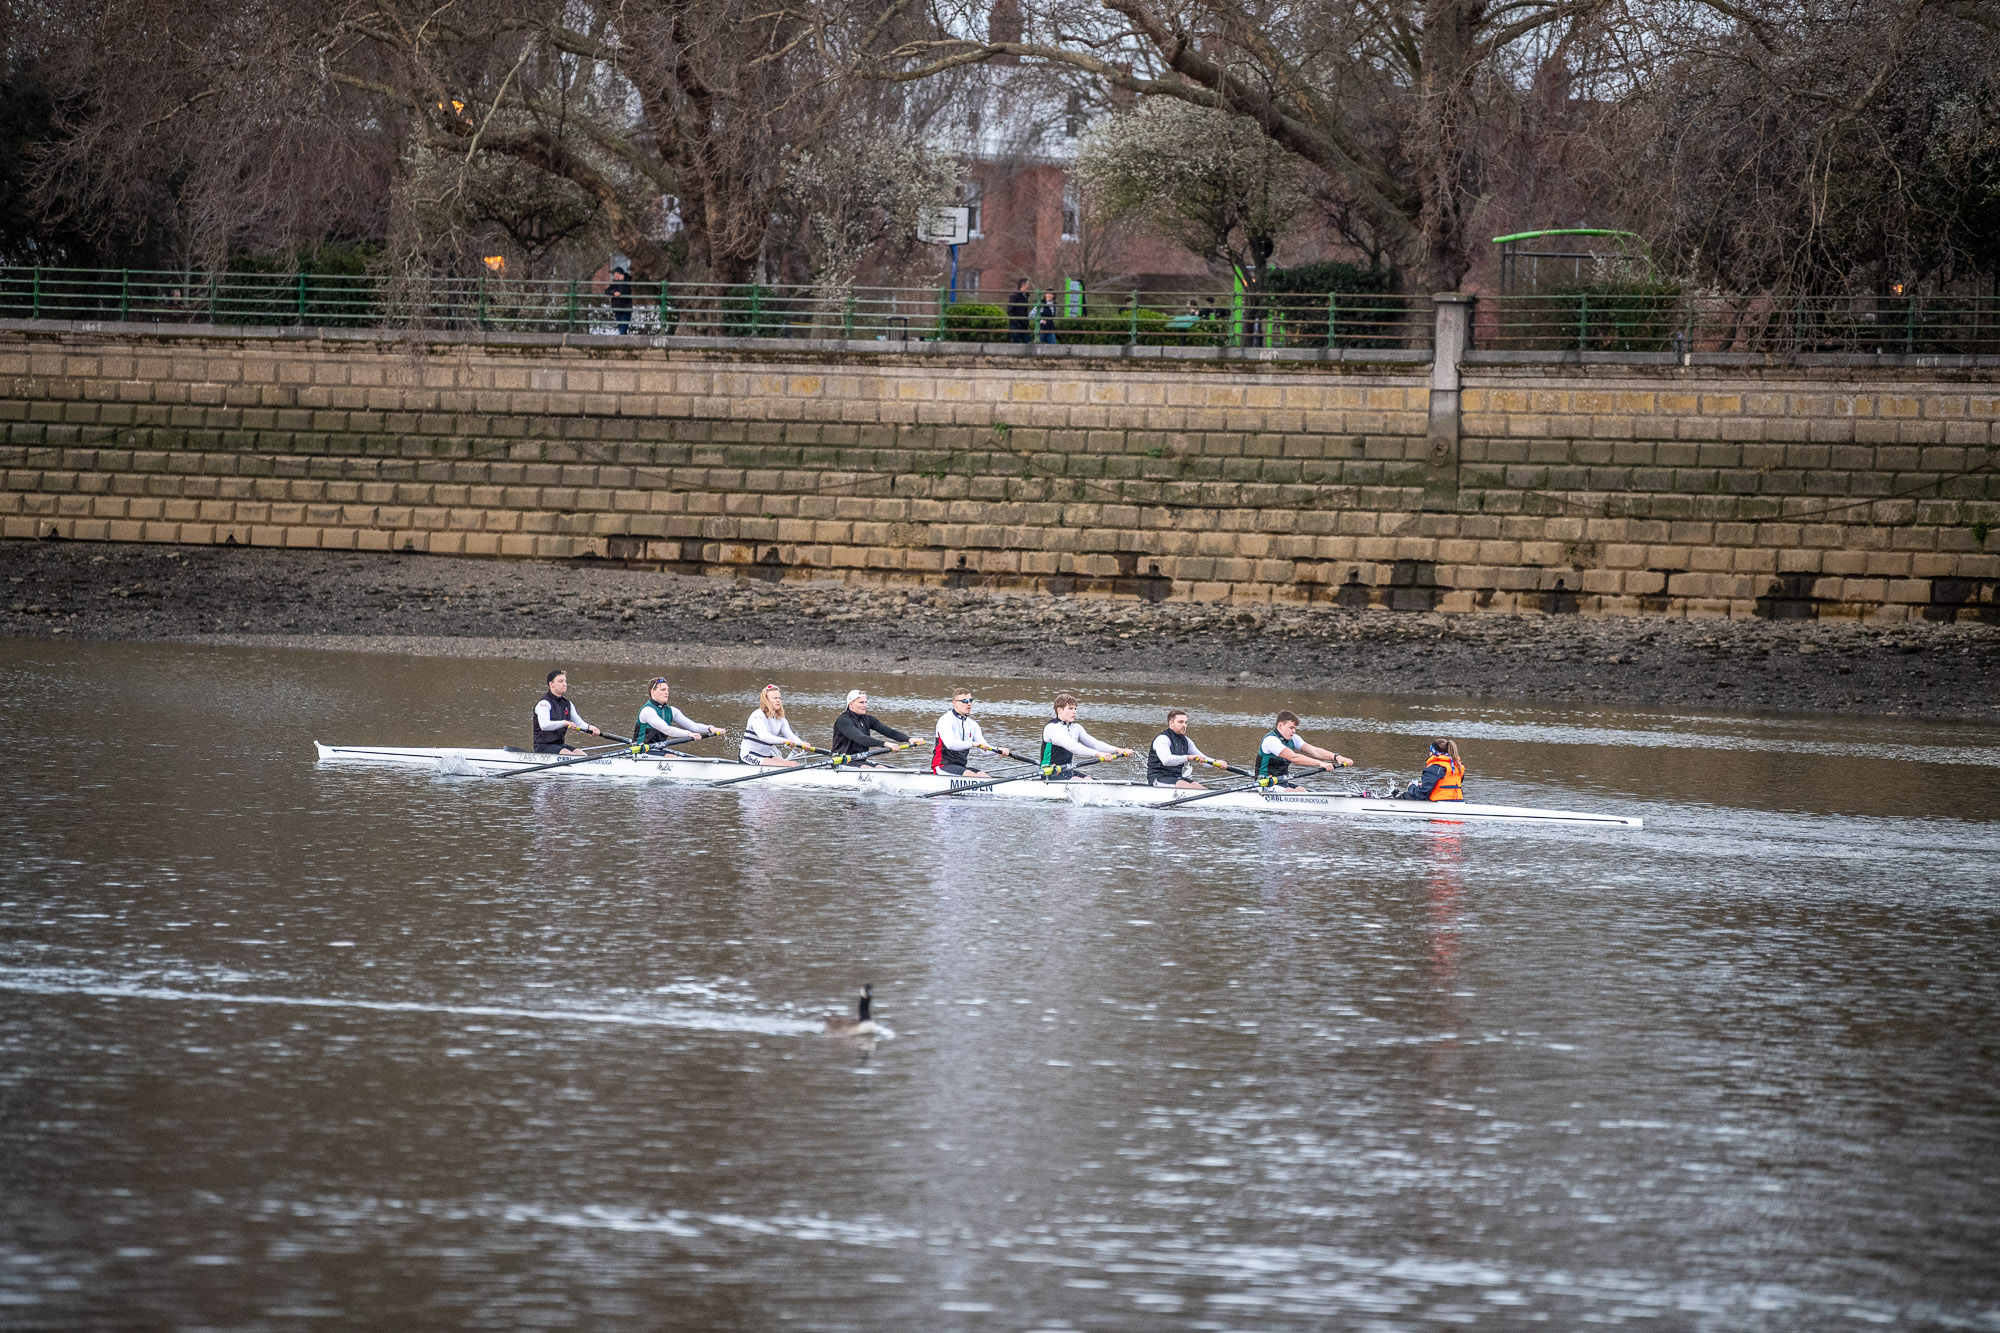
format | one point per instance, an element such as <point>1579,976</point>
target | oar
<point>1254,783</point>
<point>1204,795</point>
<point>834,762</point>
<point>994,750</point>
<point>587,749</point>
<point>1044,773</point>
<point>629,746</point>
<point>455,766</point>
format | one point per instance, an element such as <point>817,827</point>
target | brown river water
<point>289,1046</point>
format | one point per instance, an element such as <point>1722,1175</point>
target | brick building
<point>1019,129</point>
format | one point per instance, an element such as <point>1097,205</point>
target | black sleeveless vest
<point>1157,773</point>
<point>548,742</point>
<point>1055,754</point>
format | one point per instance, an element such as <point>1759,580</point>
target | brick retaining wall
<point>1870,490</point>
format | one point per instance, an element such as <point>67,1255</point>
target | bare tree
<point>1388,101</point>
<point>543,120</point>
<point>186,130</point>
<point>1854,146</point>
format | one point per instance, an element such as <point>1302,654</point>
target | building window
<point>971,195</point>
<point>968,282</point>
<point>1072,212</point>
<point>972,114</point>
<point>1073,115</point>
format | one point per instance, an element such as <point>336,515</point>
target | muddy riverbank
<point>437,605</point>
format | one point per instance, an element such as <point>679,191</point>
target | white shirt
<point>678,725</point>
<point>1072,737</point>
<point>1165,751</point>
<point>1274,745</point>
<point>560,728</point>
<point>762,736</point>
<point>959,733</point>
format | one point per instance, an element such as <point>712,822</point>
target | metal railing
<point>751,310</point>
<point>1770,325</point>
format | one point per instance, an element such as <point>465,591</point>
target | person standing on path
<point>619,292</point>
<point>854,731</point>
<point>1018,307</point>
<point>1045,317</point>
<point>555,715</point>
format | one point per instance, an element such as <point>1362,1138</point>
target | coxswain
<point>957,737</point>
<point>767,730</point>
<point>555,715</point>
<point>1443,777</point>
<point>854,731</point>
<point>660,723</point>
<point>1064,741</point>
<point>1171,760</point>
<point>1283,746</point>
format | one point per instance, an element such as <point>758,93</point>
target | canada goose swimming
<point>862,1026</point>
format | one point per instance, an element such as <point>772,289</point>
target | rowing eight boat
<point>908,782</point>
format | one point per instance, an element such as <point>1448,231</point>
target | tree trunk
<point>1447,183</point>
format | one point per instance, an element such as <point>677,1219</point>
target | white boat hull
<point>680,768</point>
<point>693,770</point>
<point>1307,802</point>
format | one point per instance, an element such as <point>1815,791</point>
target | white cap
<point>852,695</point>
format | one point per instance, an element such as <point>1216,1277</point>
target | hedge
<point>971,322</point>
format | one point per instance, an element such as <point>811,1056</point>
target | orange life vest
<point>1450,787</point>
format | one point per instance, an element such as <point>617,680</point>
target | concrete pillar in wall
<point>1453,336</point>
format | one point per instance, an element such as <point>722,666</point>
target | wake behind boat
<point>620,766</point>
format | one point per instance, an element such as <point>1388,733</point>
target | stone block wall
<point>1685,490</point>
<point>1772,491</point>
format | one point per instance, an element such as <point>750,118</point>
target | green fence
<point>1666,321</point>
<point>1204,319</point>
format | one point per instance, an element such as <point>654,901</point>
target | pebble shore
<point>437,605</point>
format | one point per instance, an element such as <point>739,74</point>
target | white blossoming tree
<point>1212,181</point>
<point>860,194</point>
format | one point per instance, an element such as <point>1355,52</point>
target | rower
<point>1171,759</point>
<point>1443,777</point>
<point>957,737</point>
<point>854,731</point>
<point>766,730</point>
<point>1283,746</point>
<point>660,723</point>
<point>555,715</point>
<point>1064,741</point>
